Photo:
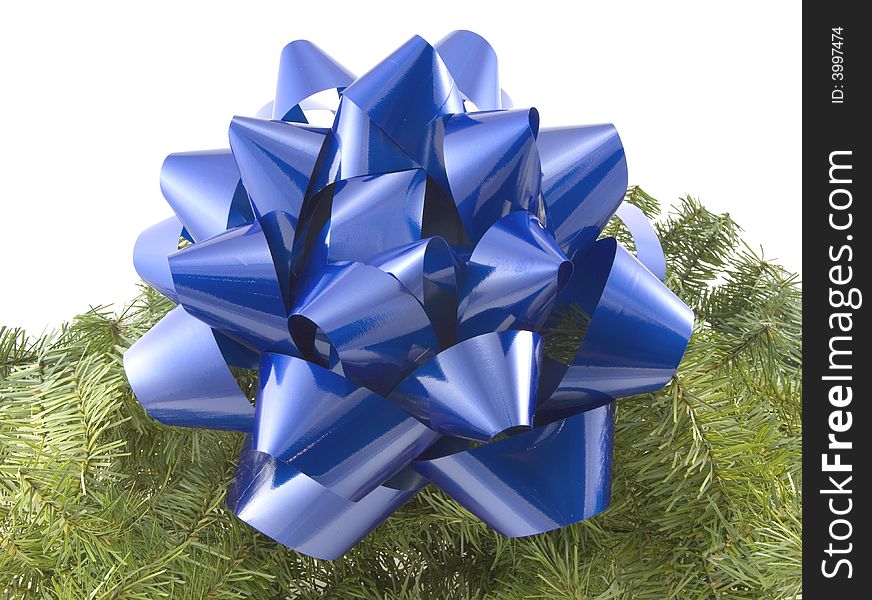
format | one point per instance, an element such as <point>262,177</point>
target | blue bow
<point>423,289</point>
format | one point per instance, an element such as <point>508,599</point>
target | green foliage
<point>97,500</point>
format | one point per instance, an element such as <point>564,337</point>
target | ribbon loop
<point>229,282</point>
<point>473,64</point>
<point>389,205</point>
<point>637,334</point>
<point>512,279</point>
<point>492,165</point>
<point>430,271</point>
<point>150,255</point>
<point>205,191</point>
<point>584,179</point>
<point>179,375</point>
<point>378,328</point>
<point>275,161</point>
<point>648,248</point>
<point>305,70</point>
<point>509,484</point>
<point>268,492</point>
<point>414,77</point>
<point>478,388</point>
<point>343,436</point>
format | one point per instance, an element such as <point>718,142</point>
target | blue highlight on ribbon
<point>424,290</point>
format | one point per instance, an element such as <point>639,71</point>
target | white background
<point>706,98</point>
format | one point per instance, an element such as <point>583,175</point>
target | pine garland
<point>97,500</point>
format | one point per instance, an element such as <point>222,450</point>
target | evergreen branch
<point>97,500</point>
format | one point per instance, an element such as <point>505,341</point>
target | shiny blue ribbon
<point>425,291</point>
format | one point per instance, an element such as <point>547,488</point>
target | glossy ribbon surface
<point>424,289</point>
